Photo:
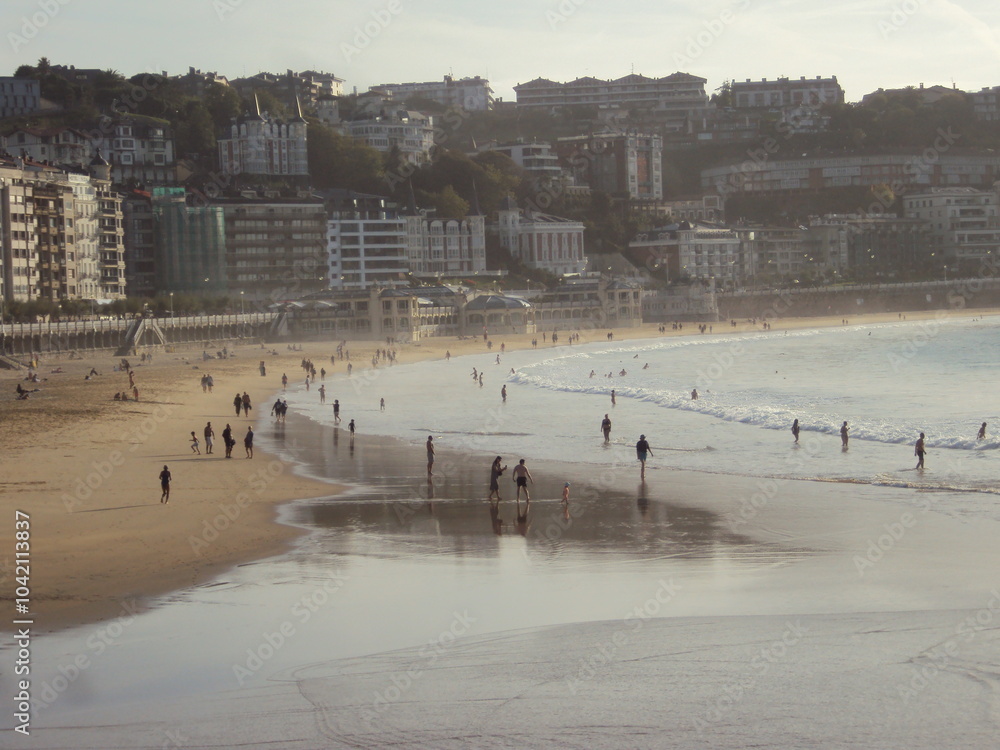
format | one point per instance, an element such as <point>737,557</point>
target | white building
<point>139,149</point>
<point>259,145</point>
<point>697,252</point>
<point>365,249</point>
<point>470,94</point>
<point>60,145</point>
<point>437,247</point>
<point>412,133</point>
<point>986,104</point>
<point>19,96</point>
<point>536,158</point>
<point>965,221</point>
<point>680,93</point>
<point>541,240</point>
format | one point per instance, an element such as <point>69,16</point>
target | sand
<point>84,468</point>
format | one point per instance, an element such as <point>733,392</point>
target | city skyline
<point>867,45</point>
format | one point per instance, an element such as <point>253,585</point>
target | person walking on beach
<point>246,405</point>
<point>350,426</point>
<point>495,471</point>
<point>919,451</point>
<point>606,428</point>
<point>795,430</point>
<point>194,443</point>
<point>982,432</point>
<point>209,438</point>
<point>503,393</point>
<point>322,394</point>
<point>430,454</point>
<point>521,478</point>
<point>843,434</point>
<point>565,497</point>
<point>381,404</point>
<point>227,439</point>
<point>642,450</point>
<point>284,382</point>
<point>248,442</point>
<point>238,403</point>
<point>336,411</point>
<point>165,484</point>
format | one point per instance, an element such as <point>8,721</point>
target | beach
<point>376,572</point>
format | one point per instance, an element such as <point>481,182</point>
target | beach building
<point>590,302</point>
<point>681,302</point>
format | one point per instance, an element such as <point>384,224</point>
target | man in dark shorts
<point>919,450</point>
<point>209,438</point>
<point>521,478</point>
<point>843,434</point>
<point>227,438</point>
<point>606,428</point>
<point>248,442</point>
<point>495,471</point>
<point>165,484</point>
<point>238,403</point>
<point>336,411</point>
<point>642,449</point>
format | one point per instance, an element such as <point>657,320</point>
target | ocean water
<point>890,382</point>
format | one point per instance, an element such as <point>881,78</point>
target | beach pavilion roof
<point>497,302</point>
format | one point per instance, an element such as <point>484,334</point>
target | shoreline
<point>95,545</point>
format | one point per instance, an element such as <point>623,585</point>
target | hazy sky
<point>865,43</point>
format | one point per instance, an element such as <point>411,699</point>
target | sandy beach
<point>85,467</point>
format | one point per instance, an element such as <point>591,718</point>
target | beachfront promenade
<point>23,339</point>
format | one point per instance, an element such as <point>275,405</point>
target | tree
<point>336,161</point>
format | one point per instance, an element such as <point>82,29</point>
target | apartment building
<point>437,247</point>
<point>782,93</point>
<point>539,240</point>
<point>470,94</point>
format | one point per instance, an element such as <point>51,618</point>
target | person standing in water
<point>521,478</point>
<point>919,450</point>
<point>982,432</point>
<point>495,471</point>
<point>606,428</point>
<point>503,393</point>
<point>612,396</point>
<point>430,455</point>
<point>795,430</point>
<point>642,449</point>
<point>843,434</point>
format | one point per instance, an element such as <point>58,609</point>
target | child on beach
<point>565,497</point>
<point>194,443</point>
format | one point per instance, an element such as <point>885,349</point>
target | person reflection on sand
<point>521,522</point>
<point>495,521</point>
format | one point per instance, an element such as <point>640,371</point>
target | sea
<point>889,382</point>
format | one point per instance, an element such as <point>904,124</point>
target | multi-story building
<point>110,232</point>
<point>763,174</point>
<point>536,158</point>
<point>189,244</point>
<point>681,94</point>
<point>696,251</point>
<point>470,94</point>
<point>291,87</point>
<point>986,104</point>
<point>964,221</point>
<point>140,149</point>
<point>54,238</point>
<point>620,164</point>
<point>366,242</point>
<point>541,240</point>
<point>261,146</point>
<point>19,96</point>
<point>140,245</point>
<point>785,93</point>
<point>437,247</point>
<point>276,247</point>
<point>19,256</point>
<point>59,145</point>
<point>411,134</point>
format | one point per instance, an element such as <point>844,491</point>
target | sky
<point>867,44</point>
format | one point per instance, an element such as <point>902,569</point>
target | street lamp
<point>171,304</point>
<point>242,310</point>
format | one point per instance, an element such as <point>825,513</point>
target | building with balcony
<point>366,242</point>
<point>276,247</point>
<point>536,158</point>
<point>411,134</point>
<point>59,145</point>
<point>139,149</point>
<point>470,94</point>
<point>140,246</point>
<point>446,247</point>
<point>964,222</point>
<point>679,94</point>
